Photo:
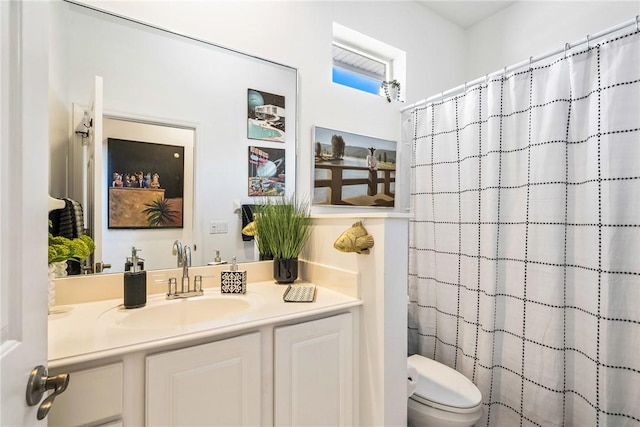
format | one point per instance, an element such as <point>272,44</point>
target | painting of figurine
<point>155,181</point>
<point>138,199</point>
<point>117,180</point>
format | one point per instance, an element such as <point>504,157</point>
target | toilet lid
<point>441,384</point>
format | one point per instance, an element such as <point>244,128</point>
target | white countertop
<point>84,332</point>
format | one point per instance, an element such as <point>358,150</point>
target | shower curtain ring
<point>486,79</point>
<point>504,72</point>
<point>530,60</point>
<point>637,22</point>
<point>566,47</point>
<point>588,46</point>
<point>465,87</point>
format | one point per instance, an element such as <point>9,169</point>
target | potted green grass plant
<point>283,227</point>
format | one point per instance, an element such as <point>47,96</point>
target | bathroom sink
<point>160,313</point>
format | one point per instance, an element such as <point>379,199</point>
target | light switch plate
<point>218,227</point>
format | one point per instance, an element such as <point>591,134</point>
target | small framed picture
<point>352,169</point>
<point>265,116</point>
<point>266,171</point>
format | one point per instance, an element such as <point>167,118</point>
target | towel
<point>69,221</point>
<point>78,218</point>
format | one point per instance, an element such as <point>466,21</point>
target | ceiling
<point>465,13</point>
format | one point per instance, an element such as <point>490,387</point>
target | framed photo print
<point>266,171</point>
<point>352,169</point>
<point>265,116</point>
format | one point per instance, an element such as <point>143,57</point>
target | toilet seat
<point>442,387</point>
<point>427,402</point>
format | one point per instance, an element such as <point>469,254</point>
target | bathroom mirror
<point>233,112</point>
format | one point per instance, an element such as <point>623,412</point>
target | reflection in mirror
<point>163,88</point>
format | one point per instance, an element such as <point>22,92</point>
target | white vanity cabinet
<point>314,373</point>
<point>283,364</point>
<point>94,397</point>
<point>214,384</point>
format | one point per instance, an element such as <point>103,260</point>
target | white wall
<point>533,28</point>
<point>58,105</point>
<point>382,288</point>
<point>299,34</point>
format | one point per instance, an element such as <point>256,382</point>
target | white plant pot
<point>52,287</point>
<point>56,269</point>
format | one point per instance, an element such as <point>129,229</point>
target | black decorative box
<point>233,282</point>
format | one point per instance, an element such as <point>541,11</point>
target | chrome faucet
<point>186,263</point>
<point>178,251</point>
<point>185,290</point>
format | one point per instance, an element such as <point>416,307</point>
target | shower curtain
<point>524,264</point>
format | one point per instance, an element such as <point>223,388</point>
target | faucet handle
<point>101,266</point>
<point>172,289</point>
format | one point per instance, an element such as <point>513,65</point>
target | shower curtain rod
<point>532,59</point>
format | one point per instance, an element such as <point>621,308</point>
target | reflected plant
<point>63,249</point>
<point>159,213</point>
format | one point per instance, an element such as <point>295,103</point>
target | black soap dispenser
<point>135,283</point>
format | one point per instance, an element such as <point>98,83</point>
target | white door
<point>95,170</point>
<point>24,129</point>
<point>87,163</point>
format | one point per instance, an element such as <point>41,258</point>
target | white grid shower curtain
<point>524,267</point>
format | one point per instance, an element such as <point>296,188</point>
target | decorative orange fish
<point>250,229</point>
<point>355,239</point>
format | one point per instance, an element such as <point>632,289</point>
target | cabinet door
<point>93,396</point>
<point>314,373</point>
<point>215,384</point>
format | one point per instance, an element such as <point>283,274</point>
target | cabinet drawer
<point>92,395</point>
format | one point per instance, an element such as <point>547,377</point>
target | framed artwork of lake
<point>352,169</point>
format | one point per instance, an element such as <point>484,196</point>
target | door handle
<point>39,383</point>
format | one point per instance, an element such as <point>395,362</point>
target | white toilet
<point>443,397</point>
